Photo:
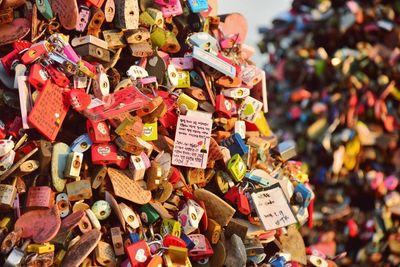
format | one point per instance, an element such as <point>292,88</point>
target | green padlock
<point>170,227</point>
<point>237,168</point>
<point>148,214</point>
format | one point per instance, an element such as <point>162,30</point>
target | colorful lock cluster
<point>135,133</point>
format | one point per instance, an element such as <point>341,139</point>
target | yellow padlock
<point>187,102</point>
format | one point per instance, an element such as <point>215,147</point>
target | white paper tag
<point>273,208</point>
<point>192,141</point>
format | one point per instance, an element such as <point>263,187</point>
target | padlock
<point>170,227</point>
<point>183,79</point>
<point>79,100</point>
<point>202,249</point>
<point>129,216</point>
<point>186,102</point>
<point>253,247</point>
<point>63,204</point>
<point>104,254</point>
<point>225,107</point>
<point>81,144</point>
<point>137,167</point>
<point>148,214</point>
<point>166,2</point>
<point>89,39</point>
<point>37,76</point>
<point>93,219</point>
<point>116,237</point>
<point>16,256</point>
<point>287,150</point>
<point>40,248</point>
<point>131,126</point>
<point>204,41</point>
<point>137,36</point>
<point>125,100</point>
<point>57,76</point>
<point>172,10</point>
<point>189,216</point>
<point>14,128</point>
<point>249,109</point>
<point>49,111</point>
<point>237,168</point>
<point>236,93</point>
<point>138,253</point>
<point>73,165</point>
<point>98,131</point>
<point>104,154</point>
<point>157,16</point>
<point>214,61</point>
<point>165,40</point>
<point>126,14</point>
<point>213,232</point>
<point>83,18</point>
<point>236,145</point>
<point>7,195</point>
<point>85,225</point>
<point>230,41</point>
<point>177,255</point>
<point>79,190</point>
<point>302,195</point>
<point>197,6</point>
<point>40,197</point>
<point>101,209</point>
<point>182,63</point>
<point>97,19</point>
<point>35,52</point>
<point>115,39</point>
<point>99,173</point>
<point>109,10</point>
<point>92,52</point>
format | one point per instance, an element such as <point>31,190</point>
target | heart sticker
<point>248,110</point>
<point>153,61</point>
<point>140,257</point>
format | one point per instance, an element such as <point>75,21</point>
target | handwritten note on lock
<point>273,207</point>
<point>192,141</point>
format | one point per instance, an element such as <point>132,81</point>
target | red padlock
<point>98,131</point>
<point>171,240</point>
<point>57,76</point>
<point>8,60</point>
<point>25,150</point>
<point>170,119</point>
<point>15,127</point>
<point>79,99</point>
<point>122,160</point>
<point>104,154</point>
<point>243,204</point>
<point>40,197</point>
<point>202,249</point>
<point>35,52</point>
<point>232,195</point>
<point>225,107</point>
<point>37,76</point>
<point>138,253</point>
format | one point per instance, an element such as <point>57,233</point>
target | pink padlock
<point>182,63</point>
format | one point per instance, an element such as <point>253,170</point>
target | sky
<point>258,13</point>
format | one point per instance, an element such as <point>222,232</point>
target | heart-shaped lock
<point>79,99</point>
